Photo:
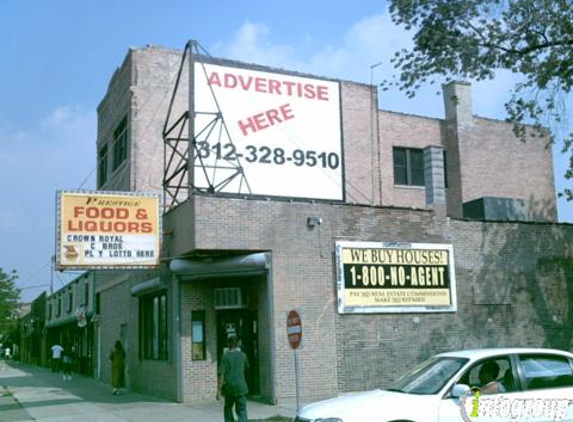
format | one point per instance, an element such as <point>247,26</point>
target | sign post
<point>294,335</point>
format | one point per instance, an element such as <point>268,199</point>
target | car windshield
<point>428,377</point>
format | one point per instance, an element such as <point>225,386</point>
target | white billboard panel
<point>108,230</point>
<point>284,132</point>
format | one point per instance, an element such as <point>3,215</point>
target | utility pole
<point>52,265</point>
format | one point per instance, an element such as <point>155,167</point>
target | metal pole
<point>297,381</point>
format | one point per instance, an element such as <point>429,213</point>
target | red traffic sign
<point>294,329</point>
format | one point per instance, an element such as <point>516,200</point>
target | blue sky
<point>58,57</point>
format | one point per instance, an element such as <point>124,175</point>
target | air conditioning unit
<point>229,298</point>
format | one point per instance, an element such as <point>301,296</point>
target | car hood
<point>370,405</point>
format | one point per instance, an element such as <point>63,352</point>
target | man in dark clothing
<point>231,382</point>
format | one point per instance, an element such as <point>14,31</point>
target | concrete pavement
<point>31,393</point>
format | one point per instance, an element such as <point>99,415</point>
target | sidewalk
<point>31,393</point>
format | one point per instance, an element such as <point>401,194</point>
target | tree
<point>9,296</point>
<point>472,39</point>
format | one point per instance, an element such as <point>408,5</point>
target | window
<point>59,309</point>
<point>120,143</point>
<point>102,166</point>
<point>198,335</point>
<point>543,371</point>
<point>408,166</point>
<point>428,377</point>
<point>70,302</point>
<point>86,295</point>
<point>153,326</point>
<point>496,370</point>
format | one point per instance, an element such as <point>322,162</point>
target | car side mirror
<point>459,390</point>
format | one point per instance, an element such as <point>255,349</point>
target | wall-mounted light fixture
<point>312,222</point>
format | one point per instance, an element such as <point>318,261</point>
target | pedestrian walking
<point>117,358</point>
<point>56,357</point>
<point>231,382</point>
<point>68,357</point>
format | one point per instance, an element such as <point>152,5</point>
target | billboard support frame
<point>181,152</point>
<point>204,147</point>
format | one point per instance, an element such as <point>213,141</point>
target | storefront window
<point>153,326</point>
<point>198,335</point>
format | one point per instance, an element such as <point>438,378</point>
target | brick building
<point>238,261</point>
<point>69,321</point>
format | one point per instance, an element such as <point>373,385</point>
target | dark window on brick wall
<point>102,166</point>
<point>408,166</point>
<point>120,143</point>
<point>153,326</point>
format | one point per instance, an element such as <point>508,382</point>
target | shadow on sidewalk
<point>49,384</point>
<point>34,388</point>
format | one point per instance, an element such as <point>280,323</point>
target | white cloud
<point>70,124</point>
<point>56,153</point>
<point>372,40</point>
<point>251,45</point>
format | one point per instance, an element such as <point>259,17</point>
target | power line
<point>87,177</point>
<point>43,267</point>
<point>37,286</point>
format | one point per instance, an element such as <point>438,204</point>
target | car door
<point>480,407</point>
<point>547,381</point>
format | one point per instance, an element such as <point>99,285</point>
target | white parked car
<point>530,385</point>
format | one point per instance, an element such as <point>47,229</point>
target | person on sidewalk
<point>117,357</point>
<point>231,382</point>
<point>68,356</point>
<point>56,357</point>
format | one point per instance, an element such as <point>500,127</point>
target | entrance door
<point>125,344</point>
<point>242,323</point>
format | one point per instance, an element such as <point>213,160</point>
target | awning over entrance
<point>146,286</point>
<point>232,266</point>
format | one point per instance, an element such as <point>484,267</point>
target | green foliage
<point>9,296</point>
<point>472,39</point>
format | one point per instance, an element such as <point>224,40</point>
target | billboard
<point>395,277</point>
<point>107,230</point>
<point>281,134</point>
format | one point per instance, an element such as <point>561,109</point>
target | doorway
<point>242,323</point>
